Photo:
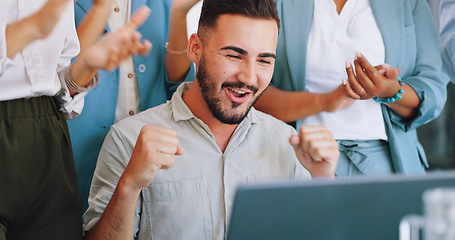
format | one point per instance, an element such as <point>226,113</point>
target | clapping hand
<point>117,46</point>
<point>366,81</point>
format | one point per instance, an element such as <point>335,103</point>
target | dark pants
<point>39,198</point>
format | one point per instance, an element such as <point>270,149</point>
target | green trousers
<point>39,198</point>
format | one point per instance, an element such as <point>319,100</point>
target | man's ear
<point>195,48</point>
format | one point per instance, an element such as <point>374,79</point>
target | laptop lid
<point>356,208</point>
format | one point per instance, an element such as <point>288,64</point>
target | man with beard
<point>208,138</point>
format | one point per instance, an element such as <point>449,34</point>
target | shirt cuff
<point>72,106</point>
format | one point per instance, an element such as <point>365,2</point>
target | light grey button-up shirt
<point>193,199</point>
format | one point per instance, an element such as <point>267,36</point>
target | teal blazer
<point>88,130</point>
<point>410,44</point>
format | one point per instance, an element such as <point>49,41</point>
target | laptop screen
<point>352,208</point>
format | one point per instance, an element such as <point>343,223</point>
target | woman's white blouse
<point>39,69</point>
<point>335,39</point>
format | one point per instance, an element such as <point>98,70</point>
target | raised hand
<point>366,81</point>
<point>155,149</point>
<point>316,150</point>
<point>117,46</point>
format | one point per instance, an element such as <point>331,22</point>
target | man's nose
<point>247,73</point>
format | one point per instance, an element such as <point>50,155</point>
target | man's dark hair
<point>258,9</point>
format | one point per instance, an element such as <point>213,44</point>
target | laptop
<point>364,208</point>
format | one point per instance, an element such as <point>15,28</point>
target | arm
<point>92,26</point>
<point>290,106</point>
<point>154,150</point>
<point>178,64</point>
<point>316,150</point>
<point>37,26</point>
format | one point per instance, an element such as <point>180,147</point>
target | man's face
<point>236,65</point>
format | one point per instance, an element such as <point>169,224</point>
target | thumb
<point>295,141</point>
<point>179,151</point>
<point>138,18</point>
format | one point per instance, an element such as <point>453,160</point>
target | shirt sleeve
<point>447,36</point>
<point>427,78</point>
<point>71,106</point>
<point>4,60</point>
<point>112,161</point>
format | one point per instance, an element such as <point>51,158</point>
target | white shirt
<point>128,102</point>
<point>194,198</point>
<point>335,39</point>
<point>39,69</point>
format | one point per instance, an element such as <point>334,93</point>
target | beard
<point>213,97</point>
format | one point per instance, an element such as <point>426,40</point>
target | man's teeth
<point>238,91</point>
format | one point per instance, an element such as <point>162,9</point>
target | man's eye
<point>262,61</point>
<point>233,56</point>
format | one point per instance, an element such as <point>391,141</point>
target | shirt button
<point>229,203</point>
<point>131,113</point>
<point>130,75</point>
<point>116,9</point>
<point>141,68</point>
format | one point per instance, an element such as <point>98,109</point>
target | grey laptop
<point>364,208</point>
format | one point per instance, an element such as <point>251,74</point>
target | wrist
<point>125,187</point>
<point>323,101</point>
<point>393,95</point>
<point>323,175</point>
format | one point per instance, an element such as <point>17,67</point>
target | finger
<point>308,134</point>
<point>125,49</point>
<point>380,69</point>
<point>316,130</point>
<point>135,42</point>
<point>322,149</point>
<point>392,73</point>
<point>167,161</point>
<point>365,64</point>
<point>295,141</point>
<point>349,90</point>
<point>138,18</point>
<point>296,144</point>
<point>153,128</point>
<point>353,84</point>
<point>164,147</point>
<point>179,151</point>
<point>362,78</point>
<point>145,48</point>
